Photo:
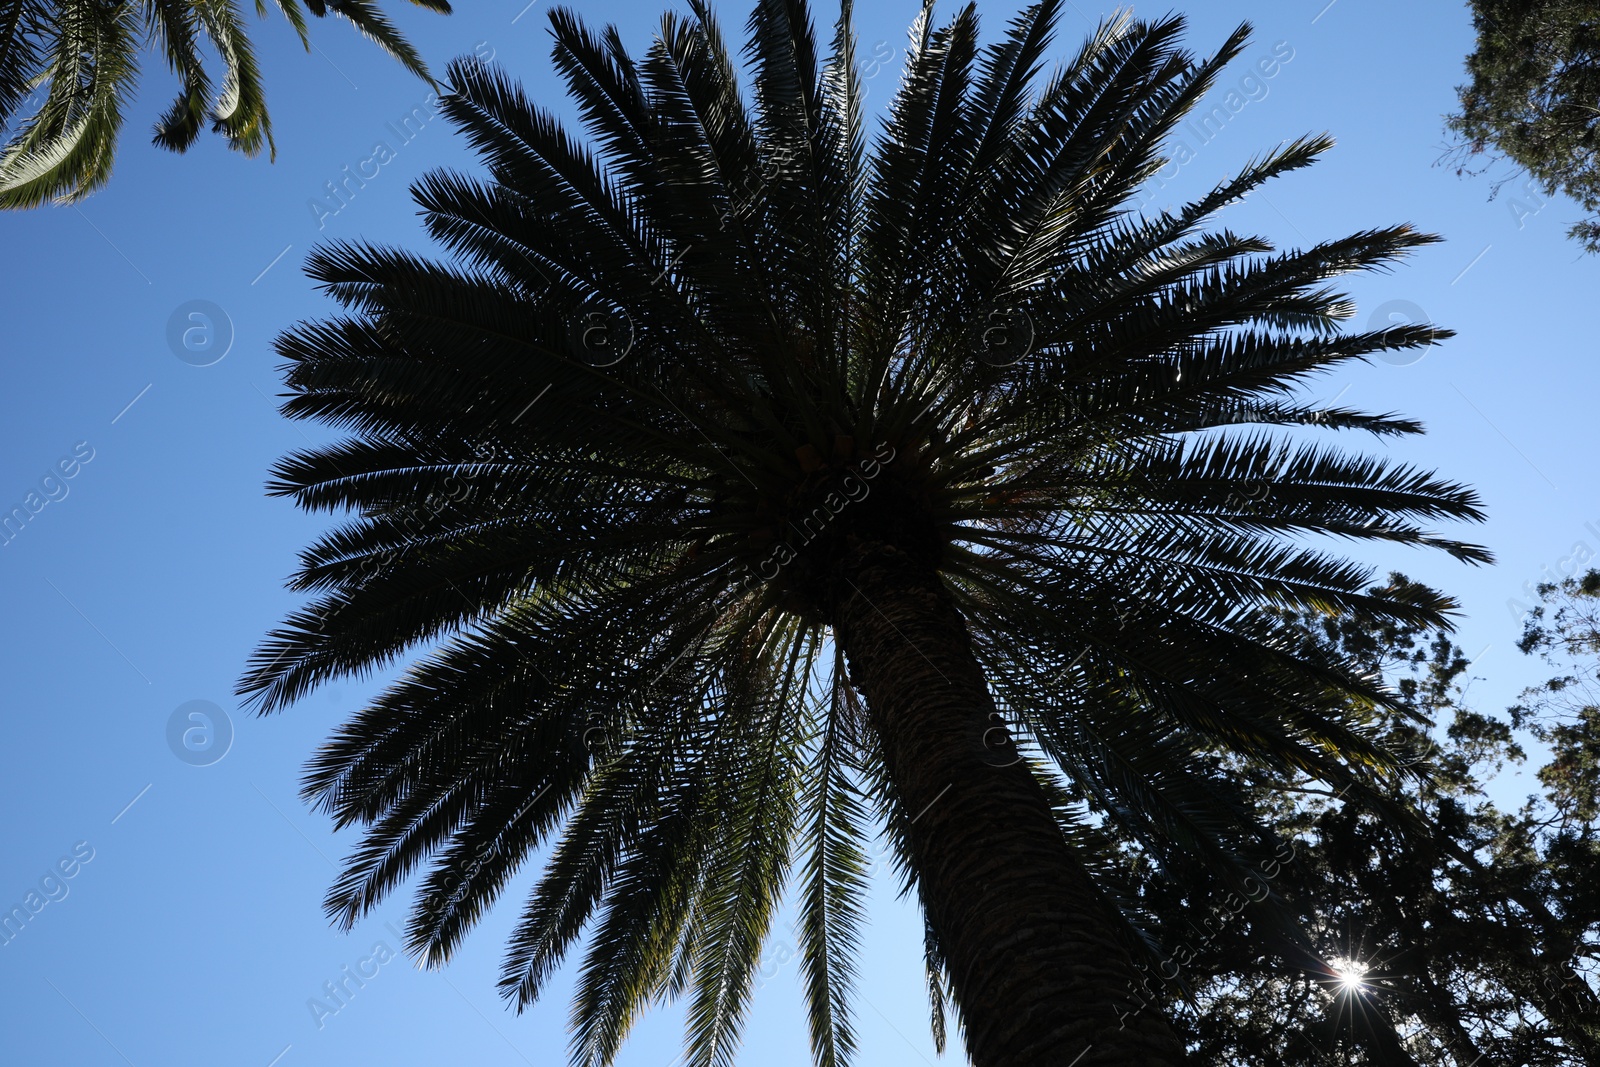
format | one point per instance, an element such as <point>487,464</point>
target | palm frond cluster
<point>69,67</point>
<point>1070,413</point>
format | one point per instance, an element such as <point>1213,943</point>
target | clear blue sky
<point>194,935</point>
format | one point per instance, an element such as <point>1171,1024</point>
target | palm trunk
<point>1039,975</point>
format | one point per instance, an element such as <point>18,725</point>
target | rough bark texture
<point>1038,973</point>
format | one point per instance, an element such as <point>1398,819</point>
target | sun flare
<point>1352,975</point>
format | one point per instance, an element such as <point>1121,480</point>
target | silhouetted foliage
<point>737,487</point>
<point>1480,946</point>
<point>1534,96</point>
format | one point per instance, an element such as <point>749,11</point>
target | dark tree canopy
<point>1482,946</point>
<point>1534,96</point>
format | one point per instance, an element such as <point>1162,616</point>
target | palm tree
<point>85,54</point>
<point>738,489</point>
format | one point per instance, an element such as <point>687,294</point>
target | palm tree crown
<point>626,465</point>
<point>87,53</point>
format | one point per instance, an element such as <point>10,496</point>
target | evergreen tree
<point>1534,96</point>
<point>1479,946</point>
